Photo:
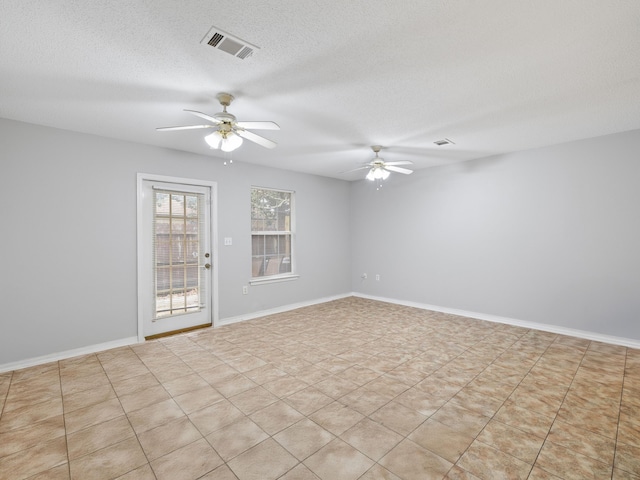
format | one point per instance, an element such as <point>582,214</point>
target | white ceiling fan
<point>380,170</point>
<point>228,133</point>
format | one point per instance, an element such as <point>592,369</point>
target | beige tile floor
<point>351,389</point>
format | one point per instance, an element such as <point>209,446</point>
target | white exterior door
<point>175,255</point>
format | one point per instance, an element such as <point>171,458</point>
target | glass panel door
<point>176,267</point>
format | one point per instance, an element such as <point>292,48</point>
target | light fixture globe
<point>227,141</point>
<point>230,142</point>
<point>213,140</point>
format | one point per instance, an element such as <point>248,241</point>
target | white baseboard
<point>284,308</point>
<point>54,357</point>
<point>598,337</point>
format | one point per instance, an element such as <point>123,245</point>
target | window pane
<point>177,205</point>
<point>177,250</point>
<point>193,301</point>
<point>284,242</point>
<point>257,266</point>
<point>178,300</point>
<point>162,279</point>
<point>191,226</point>
<point>191,202</point>
<point>192,251</point>
<point>162,251</point>
<point>162,226</point>
<point>192,277</point>
<point>162,204</point>
<point>177,226</point>
<point>271,244</point>
<point>285,264</point>
<point>257,244</point>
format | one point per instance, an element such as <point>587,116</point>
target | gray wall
<point>68,238</point>
<point>549,236</point>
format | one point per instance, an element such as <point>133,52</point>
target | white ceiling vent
<point>444,141</point>
<point>226,42</point>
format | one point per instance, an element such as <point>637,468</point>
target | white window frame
<point>281,277</point>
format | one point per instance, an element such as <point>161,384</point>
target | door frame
<point>213,186</point>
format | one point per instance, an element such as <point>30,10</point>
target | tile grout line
<point>6,395</point>
<point>64,419</point>
<point>555,417</point>
<point>615,445</point>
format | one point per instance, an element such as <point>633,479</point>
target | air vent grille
<point>444,141</point>
<point>245,52</point>
<point>221,40</point>
<point>215,40</point>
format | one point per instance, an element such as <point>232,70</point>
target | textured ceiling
<point>337,76</point>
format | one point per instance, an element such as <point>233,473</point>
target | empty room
<point>320,240</point>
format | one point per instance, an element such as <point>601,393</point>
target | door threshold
<point>176,332</point>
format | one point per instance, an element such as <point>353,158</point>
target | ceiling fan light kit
<point>377,173</point>
<point>227,142</point>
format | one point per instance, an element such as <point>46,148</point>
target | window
<point>271,233</point>
<point>178,244</point>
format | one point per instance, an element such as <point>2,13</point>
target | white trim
<point>598,337</point>
<point>213,186</point>
<point>284,308</point>
<point>273,279</point>
<point>76,352</point>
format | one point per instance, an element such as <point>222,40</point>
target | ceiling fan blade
<point>356,169</point>
<point>391,168</point>
<point>185,127</point>
<point>204,115</point>
<point>402,162</point>
<point>265,142</point>
<point>259,125</point>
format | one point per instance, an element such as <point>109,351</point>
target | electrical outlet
<point>378,277</point>
<point>228,241</point>
<point>245,290</point>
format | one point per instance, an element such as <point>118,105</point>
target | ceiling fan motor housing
<point>225,99</point>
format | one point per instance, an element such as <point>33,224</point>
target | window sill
<point>273,279</point>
